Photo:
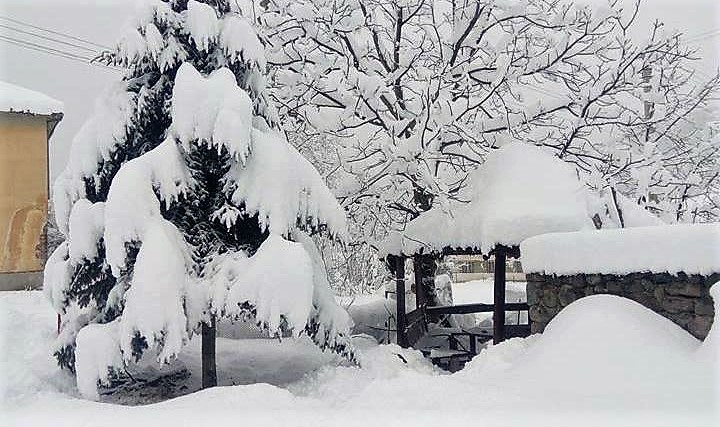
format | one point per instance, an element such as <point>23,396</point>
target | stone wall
<point>684,299</point>
<point>21,281</point>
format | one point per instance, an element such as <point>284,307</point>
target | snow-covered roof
<point>16,99</point>
<point>519,192</point>
<point>688,248</point>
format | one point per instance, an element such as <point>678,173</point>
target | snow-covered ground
<point>603,361</point>
<point>370,313</point>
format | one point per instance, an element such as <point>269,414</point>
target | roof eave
<point>52,122</point>
<point>52,119</point>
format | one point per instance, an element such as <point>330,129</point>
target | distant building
<point>27,120</point>
<point>474,267</point>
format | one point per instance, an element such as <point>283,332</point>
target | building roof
<point>17,99</point>
<point>519,192</point>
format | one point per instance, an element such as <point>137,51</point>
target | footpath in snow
<point>602,361</point>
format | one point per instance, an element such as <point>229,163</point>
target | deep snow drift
<point>604,360</point>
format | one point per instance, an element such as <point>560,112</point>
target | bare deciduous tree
<point>407,97</point>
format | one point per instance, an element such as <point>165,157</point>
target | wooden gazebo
<point>411,325</point>
<point>519,192</point>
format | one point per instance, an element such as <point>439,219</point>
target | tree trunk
<point>499,295</point>
<point>427,268</point>
<point>616,205</point>
<point>209,373</point>
<point>400,319</point>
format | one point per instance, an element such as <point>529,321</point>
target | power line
<point>701,33</point>
<point>20,44</point>
<point>49,38</point>
<point>12,39</point>
<point>53,52</point>
<point>58,33</point>
<point>709,35</point>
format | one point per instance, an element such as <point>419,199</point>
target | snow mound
<point>17,99</point>
<point>27,366</point>
<point>495,360</point>
<point>710,349</point>
<point>598,342</point>
<point>385,370</point>
<point>688,248</point>
<point>602,353</point>
<point>588,369</point>
<point>520,191</point>
<point>246,398</point>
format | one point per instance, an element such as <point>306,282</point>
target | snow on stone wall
<point>687,248</point>
<point>668,269</point>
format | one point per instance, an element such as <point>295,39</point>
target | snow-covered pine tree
<point>182,202</point>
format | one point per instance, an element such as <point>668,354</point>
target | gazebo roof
<point>519,192</point>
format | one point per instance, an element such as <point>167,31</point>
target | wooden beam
<point>499,294</point>
<point>400,319</point>
<point>208,366</point>
<point>416,326</point>
<point>510,251</point>
<point>420,296</point>
<point>474,308</point>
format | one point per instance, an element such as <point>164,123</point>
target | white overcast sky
<point>101,21</point>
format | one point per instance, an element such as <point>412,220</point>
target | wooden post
<point>209,372</point>
<point>420,296</point>
<point>499,294</point>
<point>401,321</point>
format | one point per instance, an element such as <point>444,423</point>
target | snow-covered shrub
<point>182,202</point>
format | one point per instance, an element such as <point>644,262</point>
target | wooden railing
<point>474,308</point>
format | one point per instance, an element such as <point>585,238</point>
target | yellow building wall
<point>23,190</point>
